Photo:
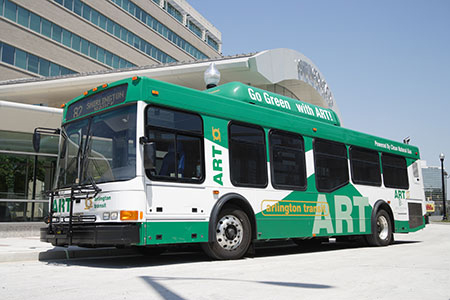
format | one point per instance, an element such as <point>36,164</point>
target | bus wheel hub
<point>229,232</point>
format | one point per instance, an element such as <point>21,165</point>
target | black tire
<point>233,235</point>
<point>381,230</point>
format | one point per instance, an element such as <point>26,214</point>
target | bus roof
<point>234,101</point>
<point>245,93</point>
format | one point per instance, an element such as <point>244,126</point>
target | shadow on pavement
<point>158,284</point>
<point>194,254</point>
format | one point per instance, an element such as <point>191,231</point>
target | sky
<point>387,62</point>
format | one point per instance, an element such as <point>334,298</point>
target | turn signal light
<point>63,105</point>
<point>105,85</point>
<point>128,215</point>
<point>85,93</point>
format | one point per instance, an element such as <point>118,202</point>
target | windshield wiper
<point>84,160</point>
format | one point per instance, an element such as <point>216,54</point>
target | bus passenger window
<point>365,165</point>
<point>287,157</point>
<point>331,165</point>
<point>395,174</point>
<point>248,163</point>
<point>178,138</point>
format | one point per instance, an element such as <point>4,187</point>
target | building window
<point>55,32</point>
<point>365,165</point>
<point>395,174</point>
<point>33,63</point>
<point>29,62</point>
<point>195,29</point>
<point>112,27</point>
<point>46,28</point>
<point>174,12</point>
<point>213,43</point>
<point>154,24</point>
<point>287,158</point>
<point>178,138</point>
<point>331,165</point>
<point>35,22</point>
<point>10,10</point>
<point>248,163</point>
<point>66,38</point>
<point>21,59</point>
<point>23,17</point>
<point>8,54</point>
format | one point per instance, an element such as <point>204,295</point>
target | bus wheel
<point>381,230</point>
<point>233,235</point>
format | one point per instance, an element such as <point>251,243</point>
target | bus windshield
<point>101,148</point>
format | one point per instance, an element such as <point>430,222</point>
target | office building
<point>60,37</point>
<point>432,183</point>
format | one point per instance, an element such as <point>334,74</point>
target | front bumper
<point>92,235</point>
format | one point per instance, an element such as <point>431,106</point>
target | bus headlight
<point>106,216</point>
<point>114,215</point>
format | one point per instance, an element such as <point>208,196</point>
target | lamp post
<point>211,76</point>
<point>441,157</point>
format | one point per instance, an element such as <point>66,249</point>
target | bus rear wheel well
<point>381,204</point>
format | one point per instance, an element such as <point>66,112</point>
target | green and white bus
<point>148,163</point>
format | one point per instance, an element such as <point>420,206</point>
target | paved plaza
<point>417,266</point>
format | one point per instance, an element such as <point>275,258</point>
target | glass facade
<point>154,24</point>
<point>27,61</point>
<point>25,176</point>
<point>60,35</point>
<point>432,183</point>
<point>113,28</point>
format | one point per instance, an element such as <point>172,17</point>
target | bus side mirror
<point>37,136</point>
<point>36,141</point>
<point>149,153</point>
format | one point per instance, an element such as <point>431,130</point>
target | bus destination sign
<point>97,102</point>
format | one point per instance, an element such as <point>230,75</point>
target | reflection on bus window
<point>178,138</point>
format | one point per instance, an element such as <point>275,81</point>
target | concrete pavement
<point>416,266</point>
<point>14,249</point>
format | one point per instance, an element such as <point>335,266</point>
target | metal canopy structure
<point>282,71</point>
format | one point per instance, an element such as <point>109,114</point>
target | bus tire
<point>381,230</point>
<point>232,237</point>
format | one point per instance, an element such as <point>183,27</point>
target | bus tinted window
<point>172,119</point>
<point>365,166</point>
<point>395,174</point>
<point>287,160</point>
<point>330,164</point>
<point>178,138</point>
<point>247,156</point>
